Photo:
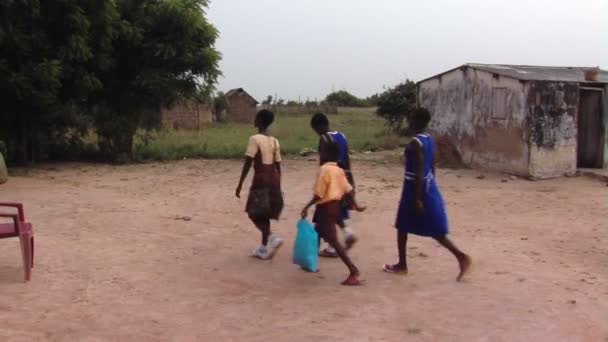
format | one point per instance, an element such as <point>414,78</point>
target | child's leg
<point>464,261</point>
<point>402,248</point>
<point>401,266</point>
<point>263,224</point>
<point>329,233</point>
<point>332,240</point>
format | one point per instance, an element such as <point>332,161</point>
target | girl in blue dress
<point>421,209</point>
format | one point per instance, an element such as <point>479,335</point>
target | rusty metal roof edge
<point>495,69</point>
<point>441,74</point>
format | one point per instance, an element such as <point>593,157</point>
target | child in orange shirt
<point>331,187</point>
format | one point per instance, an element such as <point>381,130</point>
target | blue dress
<point>434,221</point>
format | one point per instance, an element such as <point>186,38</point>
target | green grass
<point>364,130</point>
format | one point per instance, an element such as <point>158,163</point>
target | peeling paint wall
<point>551,120</point>
<point>462,104</point>
<point>605,123</point>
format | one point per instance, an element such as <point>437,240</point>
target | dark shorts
<point>326,217</point>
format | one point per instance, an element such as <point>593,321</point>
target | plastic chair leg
<point>32,239</point>
<point>26,252</point>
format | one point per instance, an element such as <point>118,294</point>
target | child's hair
<point>331,152</point>
<point>319,120</point>
<point>419,118</point>
<point>264,118</point>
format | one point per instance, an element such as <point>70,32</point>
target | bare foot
<point>465,267</point>
<point>395,269</point>
<point>352,280</point>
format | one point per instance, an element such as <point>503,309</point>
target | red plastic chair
<point>24,231</point>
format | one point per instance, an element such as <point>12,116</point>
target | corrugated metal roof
<point>540,73</point>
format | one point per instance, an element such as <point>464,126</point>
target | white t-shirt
<point>266,145</point>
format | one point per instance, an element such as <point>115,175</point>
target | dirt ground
<point>113,263</point>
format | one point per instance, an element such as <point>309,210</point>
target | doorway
<point>590,148</point>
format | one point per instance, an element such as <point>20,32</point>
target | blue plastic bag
<point>306,246</point>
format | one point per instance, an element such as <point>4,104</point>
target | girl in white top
<point>265,201</point>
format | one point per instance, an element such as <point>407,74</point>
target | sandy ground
<point>113,264</point>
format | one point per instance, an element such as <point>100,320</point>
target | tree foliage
<point>220,106</point>
<point>163,51</point>
<point>46,50</point>
<point>395,104</point>
<point>69,65</point>
<point>343,98</point>
<point>268,100</point>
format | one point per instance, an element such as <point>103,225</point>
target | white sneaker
<point>260,252</point>
<point>349,238</point>
<point>328,252</point>
<point>275,241</point>
<point>274,244</point>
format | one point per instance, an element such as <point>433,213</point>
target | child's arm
<point>278,166</point>
<point>418,182</point>
<point>312,202</point>
<point>246,167</point>
<point>349,174</point>
<point>320,189</point>
<point>350,198</point>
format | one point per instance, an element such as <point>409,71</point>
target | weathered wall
<point>187,115</point>
<point>461,104</point>
<point>304,110</point>
<point>240,109</point>
<point>551,121</point>
<point>605,117</point>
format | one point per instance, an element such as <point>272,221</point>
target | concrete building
<point>242,107</point>
<point>532,121</point>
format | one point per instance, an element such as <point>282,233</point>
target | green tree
<point>395,104</point>
<point>163,50</point>
<point>220,106</point>
<point>372,100</point>
<point>47,49</point>
<point>343,98</point>
<point>268,100</point>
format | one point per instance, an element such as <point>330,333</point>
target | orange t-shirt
<point>332,183</point>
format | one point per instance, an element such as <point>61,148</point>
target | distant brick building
<point>187,114</point>
<point>242,107</point>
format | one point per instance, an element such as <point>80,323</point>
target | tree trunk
<point>124,144</point>
<point>22,148</point>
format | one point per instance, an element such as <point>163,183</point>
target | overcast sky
<point>306,48</point>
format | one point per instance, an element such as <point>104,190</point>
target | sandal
<point>328,254</point>
<point>352,280</point>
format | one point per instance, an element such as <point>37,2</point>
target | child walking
<point>320,124</point>
<point>421,209</point>
<point>330,188</point>
<point>265,201</point>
